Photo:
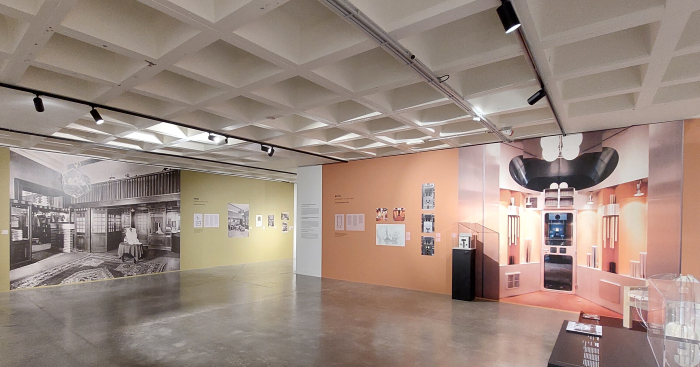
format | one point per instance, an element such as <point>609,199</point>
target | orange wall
<point>388,183</point>
<point>690,250</point>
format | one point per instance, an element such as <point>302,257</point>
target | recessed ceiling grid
<point>609,64</point>
<point>293,73</point>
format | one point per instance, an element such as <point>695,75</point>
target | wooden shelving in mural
<point>160,183</point>
<point>559,198</point>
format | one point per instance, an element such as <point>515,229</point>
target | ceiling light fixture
<point>536,97</point>
<point>96,116</point>
<point>38,104</point>
<point>508,17</point>
<point>590,199</point>
<point>270,150</point>
<point>639,189</point>
<point>212,137</point>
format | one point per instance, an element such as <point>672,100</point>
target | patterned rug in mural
<point>89,268</point>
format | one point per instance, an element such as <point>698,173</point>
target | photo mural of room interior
<point>564,222</point>
<point>77,219</point>
<point>573,216</point>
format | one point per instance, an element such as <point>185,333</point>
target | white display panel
<point>355,222</point>
<point>309,235</point>
<point>391,235</point>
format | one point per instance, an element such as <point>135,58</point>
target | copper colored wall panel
<point>665,197</point>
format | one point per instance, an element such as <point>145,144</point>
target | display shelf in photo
<point>284,216</point>
<point>399,214</point>
<point>382,214</point>
<point>391,235</point>
<point>427,246</point>
<point>428,223</point>
<point>238,220</point>
<point>271,220</point>
<point>428,196</point>
<point>285,227</point>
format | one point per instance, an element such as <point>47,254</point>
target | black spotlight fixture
<point>96,116</point>
<point>269,150</point>
<point>536,97</point>
<point>508,17</point>
<point>212,137</point>
<point>38,104</point>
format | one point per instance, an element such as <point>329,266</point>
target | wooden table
<point>618,347</point>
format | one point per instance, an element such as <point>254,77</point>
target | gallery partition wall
<point>583,215</point>
<point>76,219</point>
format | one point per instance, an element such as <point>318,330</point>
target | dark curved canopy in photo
<point>587,170</point>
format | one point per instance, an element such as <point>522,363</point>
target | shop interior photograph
<point>188,183</point>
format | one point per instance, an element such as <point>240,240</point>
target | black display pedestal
<point>463,274</point>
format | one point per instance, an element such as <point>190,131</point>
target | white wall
<point>529,279</point>
<point>309,202</point>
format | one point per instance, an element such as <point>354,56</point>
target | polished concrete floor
<point>264,315</point>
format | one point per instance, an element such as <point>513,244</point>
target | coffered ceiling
<point>295,74</point>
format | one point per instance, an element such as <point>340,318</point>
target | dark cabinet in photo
<point>20,234</point>
<point>463,274</point>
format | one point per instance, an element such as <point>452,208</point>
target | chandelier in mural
<point>75,182</point>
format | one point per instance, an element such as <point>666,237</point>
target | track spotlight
<point>96,116</point>
<point>536,97</point>
<point>212,137</point>
<point>508,17</point>
<point>38,104</point>
<point>269,150</point>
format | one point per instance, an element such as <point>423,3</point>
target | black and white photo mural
<point>77,219</point>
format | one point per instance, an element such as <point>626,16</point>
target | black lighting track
<point>154,153</point>
<point>154,118</point>
<point>528,54</point>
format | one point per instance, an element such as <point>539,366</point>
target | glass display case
<point>485,243</point>
<point>673,320</point>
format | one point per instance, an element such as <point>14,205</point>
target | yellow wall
<point>209,247</point>
<point>4,219</point>
<point>690,251</point>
